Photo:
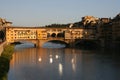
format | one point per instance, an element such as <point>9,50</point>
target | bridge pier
<point>35,45</point>
<point>39,43</point>
<point>70,42</point>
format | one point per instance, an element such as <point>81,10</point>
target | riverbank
<point>5,58</point>
<point>2,47</point>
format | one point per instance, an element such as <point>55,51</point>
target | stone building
<point>20,33</point>
<point>109,32</point>
<point>90,20</point>
<point>116,30</point>
<point>104,32</point>
<point>4,23</point>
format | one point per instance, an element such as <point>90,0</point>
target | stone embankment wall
<point>2,47</point>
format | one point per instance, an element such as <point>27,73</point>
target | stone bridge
<point>41,35</point>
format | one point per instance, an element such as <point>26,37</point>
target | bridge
<point>41,35</point>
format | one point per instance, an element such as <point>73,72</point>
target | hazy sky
<point>44,12</point>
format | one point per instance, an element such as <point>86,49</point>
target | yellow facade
<point>13,34</point>
<point>80,34</point>
<point>30,33</point>
<point>41,34</point>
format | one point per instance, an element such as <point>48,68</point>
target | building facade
<point>36,33</point>
<point>116,30</point>
<point>109,31</point>
<point>4,23</point>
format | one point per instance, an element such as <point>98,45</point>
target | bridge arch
<point>59,42</point>
<point>27,41</point>
<point>43,42</point>
<point>53,35</point>
<point>60,35</point>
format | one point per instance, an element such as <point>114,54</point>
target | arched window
<point>60,35</point>
<point>53,35</point>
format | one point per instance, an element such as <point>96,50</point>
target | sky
<point>46,12</point>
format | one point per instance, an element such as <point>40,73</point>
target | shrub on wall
<point>5,58</point>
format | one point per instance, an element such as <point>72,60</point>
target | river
<point>57,63</point>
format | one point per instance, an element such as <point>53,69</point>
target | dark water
<point>62,64</point>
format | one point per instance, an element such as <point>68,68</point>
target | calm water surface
<point>62,64</point>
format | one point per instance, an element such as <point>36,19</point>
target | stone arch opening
<point>26,42</point>
<point>60,35</point>
<point>55,44</point>
<point>53,35</point>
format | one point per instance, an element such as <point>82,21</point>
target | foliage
<point>57,25</point>
<point>5,61</point>
<point>8,51</point>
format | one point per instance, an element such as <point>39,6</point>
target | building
<point>42,34</point>
<point>104,32</point>
<point>81,33</point>
<point>4,23</point>
<point>116,30</point>
<point>90,20</point>
<point>109,32</point>
<point>17,33</point>
<point>105,20</point>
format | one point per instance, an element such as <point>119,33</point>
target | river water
<point>57,63</point>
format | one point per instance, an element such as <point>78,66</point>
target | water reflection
<point>24,46</point>
<point>56,56</point>
<point>60,69</point>
<point>40,59</point>
<point>51,60</point>
<point>73,61</point>
<point>53,45</point>
<point>62,64</point>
